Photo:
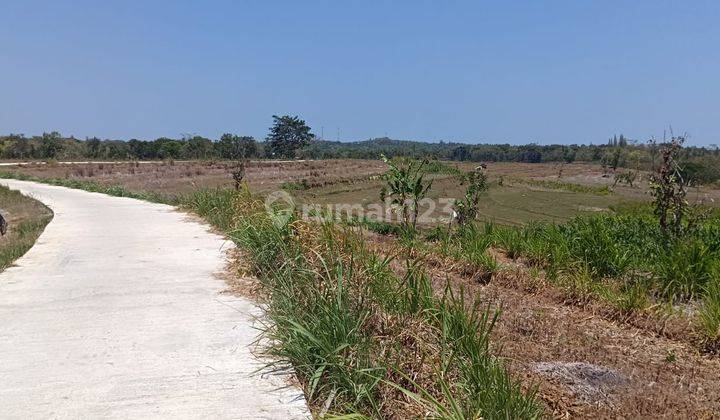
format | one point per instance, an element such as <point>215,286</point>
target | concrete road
<point>116,313</point>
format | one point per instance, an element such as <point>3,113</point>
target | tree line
<point>287,135</point>
<point>290,137</point>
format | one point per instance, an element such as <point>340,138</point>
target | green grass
<point>440,167</point>
<point>511,204</point>
<point>355,330</point>
<point>566,186</point>
<point>295,186</point>
<point>709,320</point>
<point>622,259</point>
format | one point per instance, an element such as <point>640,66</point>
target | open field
<point>26,218</point>
<point>594,314</point>
<point>173,178</point>
<point>529,191</point>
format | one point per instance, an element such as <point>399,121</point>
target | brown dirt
<point>663,377</point>
<point>174,178</point>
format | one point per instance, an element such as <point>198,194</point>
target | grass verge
<point>26,220</point>
<point>363,339</point>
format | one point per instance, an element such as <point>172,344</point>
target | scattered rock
<point>590,383</point>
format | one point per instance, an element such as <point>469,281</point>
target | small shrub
<point>295,186</point>
<point>466,209</point>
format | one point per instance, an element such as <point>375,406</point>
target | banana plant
<point>406,187</point>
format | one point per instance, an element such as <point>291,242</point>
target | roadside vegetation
<point>363,339</point>
<point>26,218</point>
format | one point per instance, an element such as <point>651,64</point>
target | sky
<point>467,71</point>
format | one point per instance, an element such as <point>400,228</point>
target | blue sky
<point>506,71</point>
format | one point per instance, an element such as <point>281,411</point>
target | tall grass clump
<point>685,268</point>
<point>468,245</point>
<point>365,338</point>
<point>709,319</point>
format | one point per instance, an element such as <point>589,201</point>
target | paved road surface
<point>115,313</point>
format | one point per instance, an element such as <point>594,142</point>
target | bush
<point>709,319</point>
<point>684,269</point>
<point>701,171</point>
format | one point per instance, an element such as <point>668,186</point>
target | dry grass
<point>666,375</point>
<point>26,220</point>
<point>177,178</point>
<point>526,193</point>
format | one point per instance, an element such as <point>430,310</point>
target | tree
<point>138,149</point>
<point>168,148</point>
<point>569,155</point>
<point>234,147</point>
<point>287,135</point>
<point>92,147</point>
<point>199,147</point>
<point>461,153</point>
<point>51,145</point>
<point>20,147</point>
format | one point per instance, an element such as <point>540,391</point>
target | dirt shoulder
<point>26,218</point>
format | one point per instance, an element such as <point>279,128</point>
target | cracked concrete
<point>116,313</point>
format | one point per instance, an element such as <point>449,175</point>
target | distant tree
<point>51,145</point>
<point>168,148</point>
<point>92,147</point>
<point>138,149</point>
<point>569,155</point>
<point>199,148</point>
<point>287,135</point>
<point>461,153</point>
<point>622,141</point>
<point>20,147</point>
<point>614,159</point>
<point>232,146</point>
